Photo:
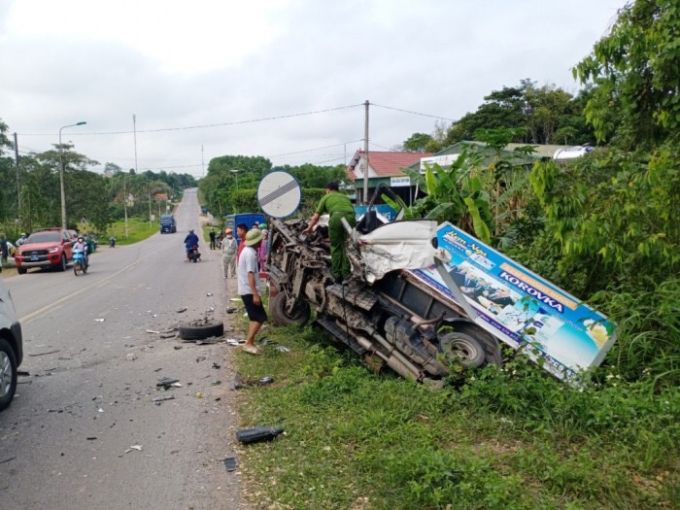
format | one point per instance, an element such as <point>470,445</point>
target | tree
<point>417,142</point>
<point>635,72</point>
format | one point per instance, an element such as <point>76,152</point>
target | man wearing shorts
<point>248,280</point>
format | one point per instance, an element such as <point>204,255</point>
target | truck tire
<point>8,373</point>
<point>277,309</point>
<point>461,348</point>
<point>21,270</point>
<point>201,331</point>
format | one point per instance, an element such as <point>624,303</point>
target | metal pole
<point>134,130</point>
<point>16,162</point>
<point>61,182</point>
<point>365,197</point>
<point>61,172</point>
<point>202,163</point>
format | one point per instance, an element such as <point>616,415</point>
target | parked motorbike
<point>79,262</point>
<point>193,254</point>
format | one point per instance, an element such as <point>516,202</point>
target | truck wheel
<point>21,270</point>
<point>277,308</point>
<point>201,331</point>
<point>461,348</point>
<point>8,373</point>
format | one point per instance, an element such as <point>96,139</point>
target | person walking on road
<point>229,254</point>
<point>248,283</point>
<point>338,206</point>
<point>212,236</point>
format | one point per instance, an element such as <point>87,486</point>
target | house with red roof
<point>383,167</point>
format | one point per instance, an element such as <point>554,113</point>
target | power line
<point>414,112</point>
<point>202,126</point>
<point>312,149</point>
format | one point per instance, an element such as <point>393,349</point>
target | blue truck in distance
<point>168,225</point>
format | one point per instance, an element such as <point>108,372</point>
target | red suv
<point>45,248</point>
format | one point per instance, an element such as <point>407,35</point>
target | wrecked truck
<point>423,297</point>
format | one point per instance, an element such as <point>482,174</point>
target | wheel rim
<point>5,374</point>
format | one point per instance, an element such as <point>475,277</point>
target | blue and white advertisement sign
<point>520,308</point>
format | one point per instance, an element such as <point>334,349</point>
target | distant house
<point>160,197</point>
<point>384,167</point>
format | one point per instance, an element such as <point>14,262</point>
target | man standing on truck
<point>338,206</point>
<point>248,282</point>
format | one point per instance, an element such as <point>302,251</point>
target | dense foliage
<point>537,115</point>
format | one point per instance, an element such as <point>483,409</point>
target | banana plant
<point>456,194</point>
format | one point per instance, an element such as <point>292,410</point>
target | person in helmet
<point>229,247</point>
<point>81,245</point>
<point>190,241</point>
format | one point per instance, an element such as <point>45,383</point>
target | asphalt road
<point>65,442</point>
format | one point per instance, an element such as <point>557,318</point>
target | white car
<point>11,347</point>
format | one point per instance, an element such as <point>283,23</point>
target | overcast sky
<point>179,64</point>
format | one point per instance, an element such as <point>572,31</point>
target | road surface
<point>83,431</point>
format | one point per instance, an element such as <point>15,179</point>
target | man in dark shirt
<point>338,206</point>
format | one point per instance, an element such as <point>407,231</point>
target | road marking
<point>33,315</point>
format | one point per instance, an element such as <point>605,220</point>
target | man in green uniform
<point>338,206</point>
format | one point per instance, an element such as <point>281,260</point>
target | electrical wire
<point>203,126</point>
<point>414,112</point>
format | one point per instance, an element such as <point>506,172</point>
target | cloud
<point>226,61</point>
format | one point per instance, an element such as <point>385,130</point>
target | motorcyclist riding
<point>81,245</point>
<point>190,242</point>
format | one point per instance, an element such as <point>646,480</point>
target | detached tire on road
<point>8,373</point>
<point>462,348</point>
<point>277,309</point>
<point>201,331</point>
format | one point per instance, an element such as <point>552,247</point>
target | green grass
<point>138,230</point>
<point>501,439</point>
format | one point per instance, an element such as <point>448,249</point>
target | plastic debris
<point>257,434</point>
<point>130,356</point>
<point>153,331</point>
<point>99,319</point>
<point>265,380</point>
<point>230,464</point>
<point>200,394</point>
<point>134,448</point>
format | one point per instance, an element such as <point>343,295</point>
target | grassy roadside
<point>502,439</point>
<point>138,230</point>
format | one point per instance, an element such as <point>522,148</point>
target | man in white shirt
<point>248,280</point>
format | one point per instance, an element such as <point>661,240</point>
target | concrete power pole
<point>202,163</point>
<point>365,165</point>
<point>16,162</point>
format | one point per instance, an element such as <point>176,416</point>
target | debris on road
<point>44,353</point>
<point>181,310</point>
<point>200,394</point>
<point>22,373</point>
<point>153,331</point>
<point>130,356</point>
<point>257,434</point>
<point>209,294</point>
<point>216,366</point>
<point>231,309</point>
<point>177,347</point>
<point>91,438</point>
<point>134,448</point>
<point>10,459</point>
<point>236,341</point>
<point>99,319</point>
<point>159,400</point>
<point>166,382</point>
<point>230,464</point>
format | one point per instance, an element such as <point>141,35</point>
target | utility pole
<point>365,165</point>
<point>125,202</point>
<point>202,163</point>
<point>134,131</point>
<point>16,162</point>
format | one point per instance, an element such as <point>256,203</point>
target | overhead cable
<point>203,126</point>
